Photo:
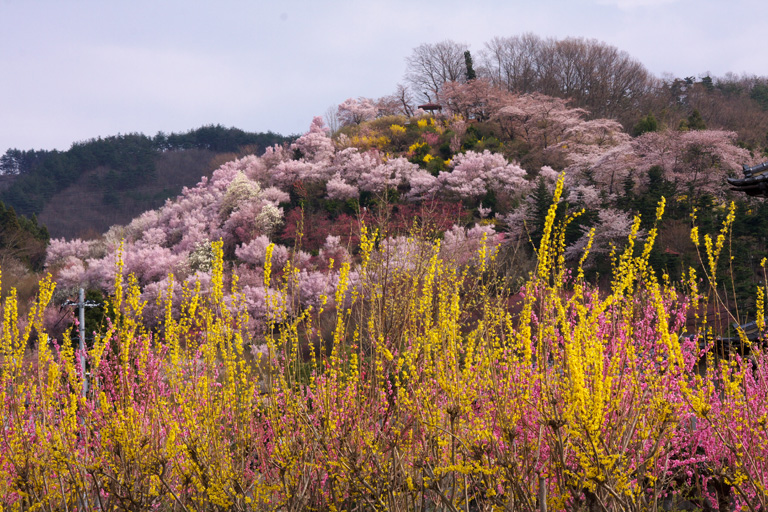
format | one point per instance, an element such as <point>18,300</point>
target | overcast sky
<point>71,70</point>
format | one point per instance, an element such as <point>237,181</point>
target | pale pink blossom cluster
<point>403,254</point>
<point>333,250</point>
<point>475,99</point>
<point>355,111</point>
<point>255,251</point>
<point>611,233</point>
<point>315,145</point>
<point>228,206</point>
<point>463,245</point>
<point>265,304</point>
<point>60,249</point>
<point>475,174</point>
<point>339,189</point>
<point>694,161</point>
<point>539,120</point>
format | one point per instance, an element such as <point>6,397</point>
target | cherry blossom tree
<point>539,120</point>
<point>254,252</point>
<point>400,103</point>
<point>61,250</point>
<point>474,174</point>
<point>315,146</point>
<point>351,165</point>
<point>355,111</point>
<point>461,245</point>
<point>695,161</point>
<point>339,189</point>
<point>476,99</point>
<point>332,249</point>
<point>610,233</point>
<point>392,174</point>
<point>285,174</point>
<point>423,186</point>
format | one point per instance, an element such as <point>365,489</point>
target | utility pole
<point>81,305</point>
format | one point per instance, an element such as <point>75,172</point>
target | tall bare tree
<point>431,65</point>
<point>513,62</point>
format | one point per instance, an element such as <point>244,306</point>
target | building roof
<point>431,106</point>
<point>754,182</point>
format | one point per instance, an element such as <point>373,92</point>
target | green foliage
<point>759,93</point>
<point>128,161</point>
<point>113,179</point>
<point>418,152</point>
<point>491,143</point>
<point>217,139</point>
<point>470,74</point>
<point>693,122</point>
<point>471,138</point>
<point>542,198</point>
<point>645,204</point>
<point>749,244</point>
<point>22,238</point>
<point>645,124</point>
<point>435,165</point>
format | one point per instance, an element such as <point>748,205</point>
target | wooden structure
<point>754,182</point>
<point>431,107</point>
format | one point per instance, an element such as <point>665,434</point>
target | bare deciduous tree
<point>593,75</point>
<point>331,118</point>
<point>431,65</point>
<point>513,62</point>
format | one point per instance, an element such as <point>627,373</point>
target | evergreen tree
<point>695,121</point>
<point>759,93</point>
<point>646,124</point>
<point>471,75</point>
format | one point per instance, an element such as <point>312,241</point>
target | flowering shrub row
<point>409,385</point>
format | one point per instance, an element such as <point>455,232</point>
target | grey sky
<point>73,70</point>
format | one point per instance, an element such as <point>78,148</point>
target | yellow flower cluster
<point>396,129</point>
<point>364,142</point>
<point>416,146</point>
<point>411,381</point>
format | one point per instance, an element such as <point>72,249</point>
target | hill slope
<point>97,183</point>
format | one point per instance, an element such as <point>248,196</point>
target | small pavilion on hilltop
<point>431,107</point>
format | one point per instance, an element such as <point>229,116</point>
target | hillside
<point>106,181</point>
<point>452,177</point>
<point>101,182</point>
<point>88,207</point>
<point>601,79</point>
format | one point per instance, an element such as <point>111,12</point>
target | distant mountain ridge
<point>81,192</point>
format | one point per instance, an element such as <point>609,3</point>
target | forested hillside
<point>482,172</point>
<point>106,181</point>
<point>387,291</point>
<point>602,79</point>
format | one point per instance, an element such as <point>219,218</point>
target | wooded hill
<point>602,79</point>
<point>81,192</point>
